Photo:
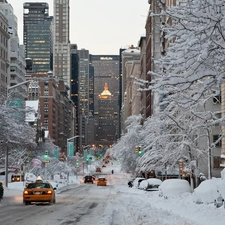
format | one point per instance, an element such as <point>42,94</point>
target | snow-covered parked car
<point>205,192</point>
<point>219,192</point>
<point>151,184</point>
<point>138,181</point>
<point>174,187</point>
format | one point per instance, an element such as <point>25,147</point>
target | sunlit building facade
<point>107,118</point>
<point>106,70</point>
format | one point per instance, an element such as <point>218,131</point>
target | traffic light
<point>77,163</point>
<point>46,154</point>
<point>87,159</point>
<point>137,149</point>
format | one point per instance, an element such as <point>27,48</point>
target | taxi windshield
<point>38,185</point>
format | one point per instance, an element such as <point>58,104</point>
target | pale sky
<point>100,26</point>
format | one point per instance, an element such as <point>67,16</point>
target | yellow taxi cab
<point>101,182</point>
<point>39,191</point>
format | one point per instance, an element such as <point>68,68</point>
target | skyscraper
<point>4,60</point>
<point>106,70</point>
<point>37,35</point>
<point>107,118</point>
<point>61,52</point>
<point>84,82</point>
<point>12,52</point>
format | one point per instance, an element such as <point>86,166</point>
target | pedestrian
<point>130,184</point>
<point>112,171</point>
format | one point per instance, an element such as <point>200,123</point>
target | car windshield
<point>38,185</point>
<point>101,179</point>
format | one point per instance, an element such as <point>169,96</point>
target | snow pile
<point>150,183</point>
<point>205,192</point>
<point>174,187</point>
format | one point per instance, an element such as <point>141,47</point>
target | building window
<point>216,162</point>
<point>215,139</point>
<point>218,115</point>
<point>217,99</point>
<point>46,100</point>
<point>46,105</point>
<point>45,121</point>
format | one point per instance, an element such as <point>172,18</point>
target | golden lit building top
<point>106,93</point>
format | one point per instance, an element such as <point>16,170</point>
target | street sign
<point>46,161</point>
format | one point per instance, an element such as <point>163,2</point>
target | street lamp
<point>69,139</point>
<point>7,151</point>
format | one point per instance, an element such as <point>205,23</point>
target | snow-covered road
<point>115,204</point>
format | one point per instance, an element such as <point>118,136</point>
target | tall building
<point>61,51</point>
<point>13,52</point>
<point>57,111</point>
<point>143,74</point>
<point>129,56</point>
<point>4,60</point>
<point>84,91</point>
<point>38,35</point>
<point>75,83</point>
<point>106,70</point>
<point>107,118</point>
<point>84,82</point>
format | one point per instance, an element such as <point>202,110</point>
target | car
<point>151,184</point>
<point>88,179</point>
<point>206,192</point>
<point>174,187</point>
<point>137,181</point>
<point>101,181</point>
<point>98,170</point>
<point>17,177</point>
<point>39,192</point>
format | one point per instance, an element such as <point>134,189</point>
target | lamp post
<point>7,151</point>
<point>69,139</point>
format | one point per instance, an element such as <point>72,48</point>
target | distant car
<point>174,187</point>
<point>98,170</point>
<point>88,179</point>
<point>103,165</point>
<point>151,184</point>
<point>137,181</point>
<point>17,177</point>
<point>39,192</point>
<point>101,182</point>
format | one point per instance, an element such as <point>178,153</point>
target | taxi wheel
<point>26,203</point>
<point>52,201</point>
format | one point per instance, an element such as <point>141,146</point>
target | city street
<point>114,204</point>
